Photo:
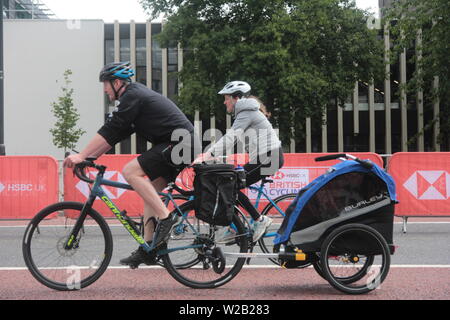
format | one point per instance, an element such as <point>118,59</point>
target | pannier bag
<point>347,193</point>
<point>215,193</point>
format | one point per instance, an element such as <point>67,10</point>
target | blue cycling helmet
<point>116,70</point>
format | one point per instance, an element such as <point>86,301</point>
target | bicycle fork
<point>79,224</point>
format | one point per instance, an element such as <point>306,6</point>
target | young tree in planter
<point>65,134</point>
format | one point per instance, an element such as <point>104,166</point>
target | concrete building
<point>36,55</point>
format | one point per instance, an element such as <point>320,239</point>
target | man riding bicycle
<point>155,118</point>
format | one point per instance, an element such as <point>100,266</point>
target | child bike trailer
<point>342,223</point>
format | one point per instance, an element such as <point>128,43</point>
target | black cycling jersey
<point>147,113</point>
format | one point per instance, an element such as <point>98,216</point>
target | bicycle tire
<point>207,271</point>
<point>178,230</point>
<point>45,226</point>
<point>269,209</point>
<point>367,285</point>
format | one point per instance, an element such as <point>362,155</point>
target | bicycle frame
<point>261,192</point>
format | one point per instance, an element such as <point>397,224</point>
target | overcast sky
<point>124,11</point>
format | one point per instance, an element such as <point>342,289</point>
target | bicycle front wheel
<point>194,257</point>
<point>48,259</point>
<point>276,211</point>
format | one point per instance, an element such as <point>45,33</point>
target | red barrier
<point>27,184</point>
<point>297,172</point>
<point>300,169</point>
<point>423,183</point>
<point>76,190</point>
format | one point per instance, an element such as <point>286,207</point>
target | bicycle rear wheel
<point>201,243</point>
<point>64,269</point>
<point>275,211</point>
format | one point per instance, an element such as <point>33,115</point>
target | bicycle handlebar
<point>78,170</point>
<point>331,157</point>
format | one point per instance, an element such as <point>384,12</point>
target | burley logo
<point>429,185</point>
<point>83,187</point>
<point>2,187</point>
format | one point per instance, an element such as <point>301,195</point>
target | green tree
<point>298,55</point>
<point>432,17</point>
<point>65,134</point>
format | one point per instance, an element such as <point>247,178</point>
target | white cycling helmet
<point>236,87</point>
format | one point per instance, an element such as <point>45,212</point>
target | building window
<point>156,66</point>
<point>124,49</point>
<point>172,69</point>
<point>109,51</point>
<point>141,62</point>
<point>21,13</point>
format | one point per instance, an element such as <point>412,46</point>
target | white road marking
<point>426,266</point>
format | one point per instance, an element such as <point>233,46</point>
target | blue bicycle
<point>275,208</point>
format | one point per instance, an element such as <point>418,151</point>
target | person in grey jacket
<point>253,134</point>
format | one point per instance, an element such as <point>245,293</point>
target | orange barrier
<point>299,169</point>
<point>423,183</point>
<point>297,172</point>
<point>27,184</point>
<point>76,190</point>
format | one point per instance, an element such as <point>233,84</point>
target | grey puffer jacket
<point>250,129</point>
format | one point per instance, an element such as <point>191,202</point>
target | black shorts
<point>155,165</point>
<point>254,170</point>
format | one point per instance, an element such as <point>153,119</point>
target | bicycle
<point>275,208</point>
<point>74,245</point>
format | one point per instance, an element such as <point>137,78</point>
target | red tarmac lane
<point>402,283</point>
